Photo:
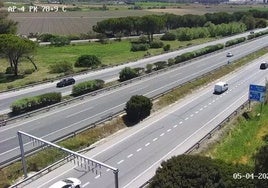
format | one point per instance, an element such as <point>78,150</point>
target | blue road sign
<point>257,93</point>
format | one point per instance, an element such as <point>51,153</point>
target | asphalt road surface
<point>139,150</point>
<point>64,120</point>
<point>107,75</point>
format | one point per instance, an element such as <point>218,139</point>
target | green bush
<point>235,41</point>
<point>138,108</point>
<point>166,47</point>
<point>199,171</point>
<point>61,67</point>
<point>156,44</point>
<point>160,65</point>
<point>46,37</point>
<point>87,61</point>
<point>9,70</point>
<point>139,47</point>
<point>32,103</point>
<point>86,87</point>
<point>29,71</point>
<point>127,73</point>
<point>149,68</point>
<point>59,41</point>
<point>168,36</point>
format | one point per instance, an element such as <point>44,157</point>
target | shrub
<point>9,70</point>
<point>32,103</point>
<point>61,67</point>
<point>127,73</point>
<point>59,41</point>
<point>138,108</point>
<point>45,37</point>
<point>86,87</point>
<point>29,71</point>
<point>149,68</point>
<point>235,41</point>
<point>156,44</point>
<point>168,36</point>
<point>166,47</point>
<point>87,61</point>
<point>160,65</point>
<point>139,47</point>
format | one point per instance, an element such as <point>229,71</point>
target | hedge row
<point>86,87</point>
<point>189,55</point>
<point>32,103</point>
<point>255,35</point>
<point>235,41</point>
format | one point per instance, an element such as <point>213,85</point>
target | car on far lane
<point>67,183</point>
<point>229,54</point>
<point>66,82</point>
<point>264,65</point>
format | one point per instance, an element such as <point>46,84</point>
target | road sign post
<point>257,93</point>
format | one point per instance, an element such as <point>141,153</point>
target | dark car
<point>66,82</point>
<point>251,32</point>
<point>264,65</point>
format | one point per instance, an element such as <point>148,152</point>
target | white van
<point>220,87</point>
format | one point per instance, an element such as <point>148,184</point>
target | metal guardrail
<point>208,135</point>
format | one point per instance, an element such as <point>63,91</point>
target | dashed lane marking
<point>129,155</point>
<point>162,134</point>
<point>147,144</point>
<point>139,149</point>
<point>96,177</point>
<point>155,139</point>
<point>120,162</point>
<point>85,184</point>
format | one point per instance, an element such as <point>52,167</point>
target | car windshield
<point>67,181</point>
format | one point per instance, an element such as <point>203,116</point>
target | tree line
<point>151,24</point>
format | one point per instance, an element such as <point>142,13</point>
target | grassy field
<point>242,139</point>
<point>110,54</point>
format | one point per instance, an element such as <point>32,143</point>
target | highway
<point>108,74</point>
<point>63,120</point>
<point>139,150</point>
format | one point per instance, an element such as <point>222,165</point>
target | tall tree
<point>152,24</point>
<point>15,48</point>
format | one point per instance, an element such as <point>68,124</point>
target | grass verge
<point>241,138</point>
<point>41,160</point>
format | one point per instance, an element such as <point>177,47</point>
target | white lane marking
<point>162,134</point>
<point>79,112</point>
<point>213,101</point>
<point>175,126</point>
<point>191,115</point>
<point>107,170</point>
<point>205,106</point>
<point>194,133</point>
<point>96,177</point>
<point>209,103</point>
<point>200,109</point>
<point>186,118</point>
<point>196,112</point>
<point>139,149</point>
<point>155,139</point>
<point>168,130</point>
<point>85,184</point>
<point>120,161</point>
<point>7,139</point>
<point>180,122</point>
<point>147,144</point>
<point>130,155</point>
